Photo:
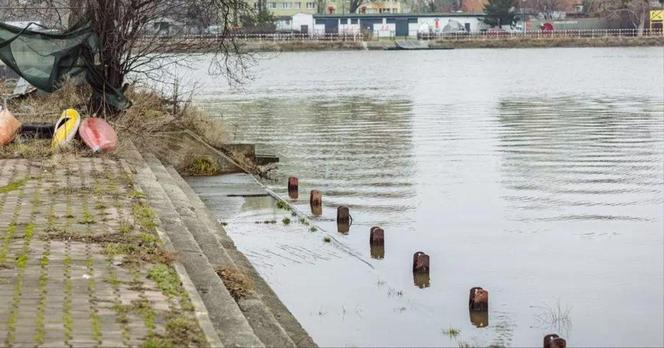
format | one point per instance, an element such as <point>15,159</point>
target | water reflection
<point>571,159</point>
<point>479,318</point>
<point>422,280</point>
<point>356,150</point>
<point>343,227</point>
<point>450,158</point>
<point>377,251</point>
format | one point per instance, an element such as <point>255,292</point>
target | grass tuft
<point>13,186</point>
<point>238,283</point>
<point>202,166</point>
<point>167,280</point>
<point>452,332</point>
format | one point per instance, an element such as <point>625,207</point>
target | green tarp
<point>45,59</point>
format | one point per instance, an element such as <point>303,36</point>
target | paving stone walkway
<point>80,263</point>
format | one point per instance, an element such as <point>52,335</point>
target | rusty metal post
<point>343,215</point>
<point>293,187</point>
<point>315,198</point>
<point>316,202</point>
<point>376,236</point>
<point>420,262</point>
<point>478,300</point>
<point>377,242</point>
<point>554,341</point>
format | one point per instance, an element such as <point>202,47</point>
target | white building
<point>299,23</point>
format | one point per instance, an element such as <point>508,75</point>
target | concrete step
<point>229,321</point>
<point>295,331</point>
<point>259,316</point>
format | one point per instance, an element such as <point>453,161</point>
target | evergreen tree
<point>499,12</point>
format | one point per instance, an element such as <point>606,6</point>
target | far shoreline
<point>296,46</point>
<point>202,45</point>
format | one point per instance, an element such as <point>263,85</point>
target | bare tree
<point>631,13</point>
<point>432,6</point>
<point>546,7</point>
<point>354,5</point>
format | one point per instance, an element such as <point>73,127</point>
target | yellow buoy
<point>66,128</point>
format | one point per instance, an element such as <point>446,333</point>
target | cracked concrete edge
<point>200,311</point>
<point>287,320</point>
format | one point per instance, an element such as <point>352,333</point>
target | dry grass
<point>142,123</point>
<point>33,149</point>
<point>238,283</point>
<point>47,107</point>
<point>202,166</point>
<point>145,124</point>
<point>152,114</point>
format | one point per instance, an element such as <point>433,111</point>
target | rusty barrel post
<point>343,215</point>
<point>315,198</point>
<point>376,236</point>
<point>420,262</point>
<point>478,300</point>
<point>293,187</point>
<point>343,219</point>
<point>377,242</point>
<point>554,341</point>
<point>316,202</point>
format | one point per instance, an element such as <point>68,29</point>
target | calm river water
<point>536,174</point>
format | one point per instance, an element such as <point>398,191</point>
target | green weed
<point>13,186</point>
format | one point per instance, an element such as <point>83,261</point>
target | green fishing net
<point>45,58</point>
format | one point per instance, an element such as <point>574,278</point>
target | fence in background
<point>485,35</point>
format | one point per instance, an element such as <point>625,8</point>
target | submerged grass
<point>452,332</point>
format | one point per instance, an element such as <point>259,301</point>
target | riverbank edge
<point>269,303</point>
<point>304,45</point>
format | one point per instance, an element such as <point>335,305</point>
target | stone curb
<point>230,323</point>
<point>266,294</point>
<point>261,319</point>
<point>201,312</point>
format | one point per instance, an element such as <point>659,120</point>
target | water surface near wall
<point>536,174</point>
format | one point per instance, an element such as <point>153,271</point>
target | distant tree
<point>499,12</point>
<point>432,6</point>
<point>588,6</point>
<point>547,7</point>
<point>260,21</point>
<point>630,13</point>
<point>354,5</point>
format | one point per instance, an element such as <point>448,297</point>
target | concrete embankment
<point>244,313</point>
<point>82,264</point>
<point>120,252</point>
